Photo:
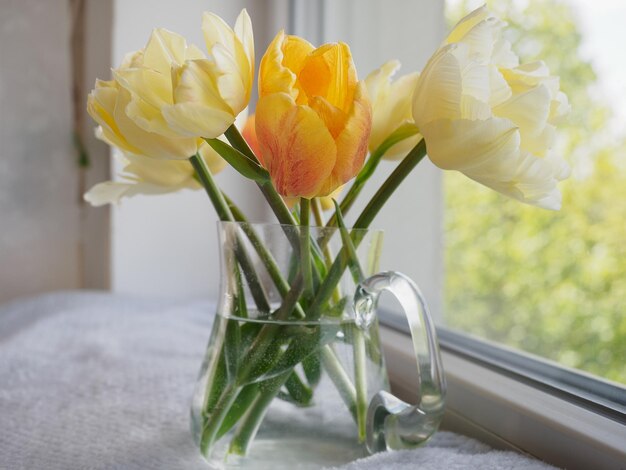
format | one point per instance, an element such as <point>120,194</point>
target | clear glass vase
<point>294,375</point>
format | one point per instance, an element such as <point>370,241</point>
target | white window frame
<point>507,413</point>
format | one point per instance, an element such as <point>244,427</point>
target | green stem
<point>316,207</point>
<point>266,257</point>
<point>394,180</point>
<point>401,133</point>
<point>328,255</point>
<point>357,186</point>
<point>219,412</point>
<point>255,413</point>
<point>338,375</point>
<point>365,219</point>
<point>224,213</point>
<point>360,379</point>
<point>212,190</point>
<point>358,339</point>
<point>256,352</point>
<point>305,245</point>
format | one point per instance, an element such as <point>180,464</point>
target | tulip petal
<point>438,93</point>
<point>467,23</point>
<point>535,182</point>
<point>276,77</point>
<point>231,87</point>
<point>197,119</point>
<point>108,192</point>
<point>351,143</point>
<point>559,107</point>
<point>487,147</point>
<point>499,89</point>
<point>391,107</point>
<point>530,112</point>
<point>378,81</point>
<point>196,82</point>
<point>298,150</point>
<point>333,117</point>
<point>216,31</point>
<point>329,71</point>
<point>166,48</point>
<point>199,109</point>
<point>150,91</point>
<point>150,143</point>
<point>167,173</point>
<point>101,104</point>
<point>243,31</point>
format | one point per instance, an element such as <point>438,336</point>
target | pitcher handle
<point>392,423</point>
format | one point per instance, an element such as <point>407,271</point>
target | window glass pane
<point>552,283</point>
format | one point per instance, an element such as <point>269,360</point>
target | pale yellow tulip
<point>145,175</point>
<point>147,77</point>
<point>107,103</point>
<point>391,107</point>
<point>484,115</point>
<point>208,94</point>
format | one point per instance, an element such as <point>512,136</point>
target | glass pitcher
<point>294,375</point>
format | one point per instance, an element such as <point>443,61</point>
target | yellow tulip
<point>210,93</point>
<point>107,104</point>
<point>391,107</point>
<point>145,175</point>
<point>177,92</point>
<point>147,78</point>
<point>483,114</point>
<point>313,118</point>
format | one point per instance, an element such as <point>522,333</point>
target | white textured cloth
<point>99,381</point>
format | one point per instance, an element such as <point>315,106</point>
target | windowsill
<point>508,414</point>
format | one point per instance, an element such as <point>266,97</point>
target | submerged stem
<point>305,245</point>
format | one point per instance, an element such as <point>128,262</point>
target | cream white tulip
<point>483,114</point>
<point>391,107</point>
<point>142,174</point>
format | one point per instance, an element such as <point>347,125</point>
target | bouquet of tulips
<point>178,115</point>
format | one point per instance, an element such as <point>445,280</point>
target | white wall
<point>166,245</point>
<point>39,215</point>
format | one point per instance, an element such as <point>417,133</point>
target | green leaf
<point>232,349</point>
<point>312,368</point>
<point>353,260</point>
<point>298,390</point>
<point>243,164</point>
<point>243,401</point>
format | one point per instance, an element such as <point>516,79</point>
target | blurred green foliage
<point>550,283</point>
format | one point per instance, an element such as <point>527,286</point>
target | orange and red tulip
<point>313,118</point>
